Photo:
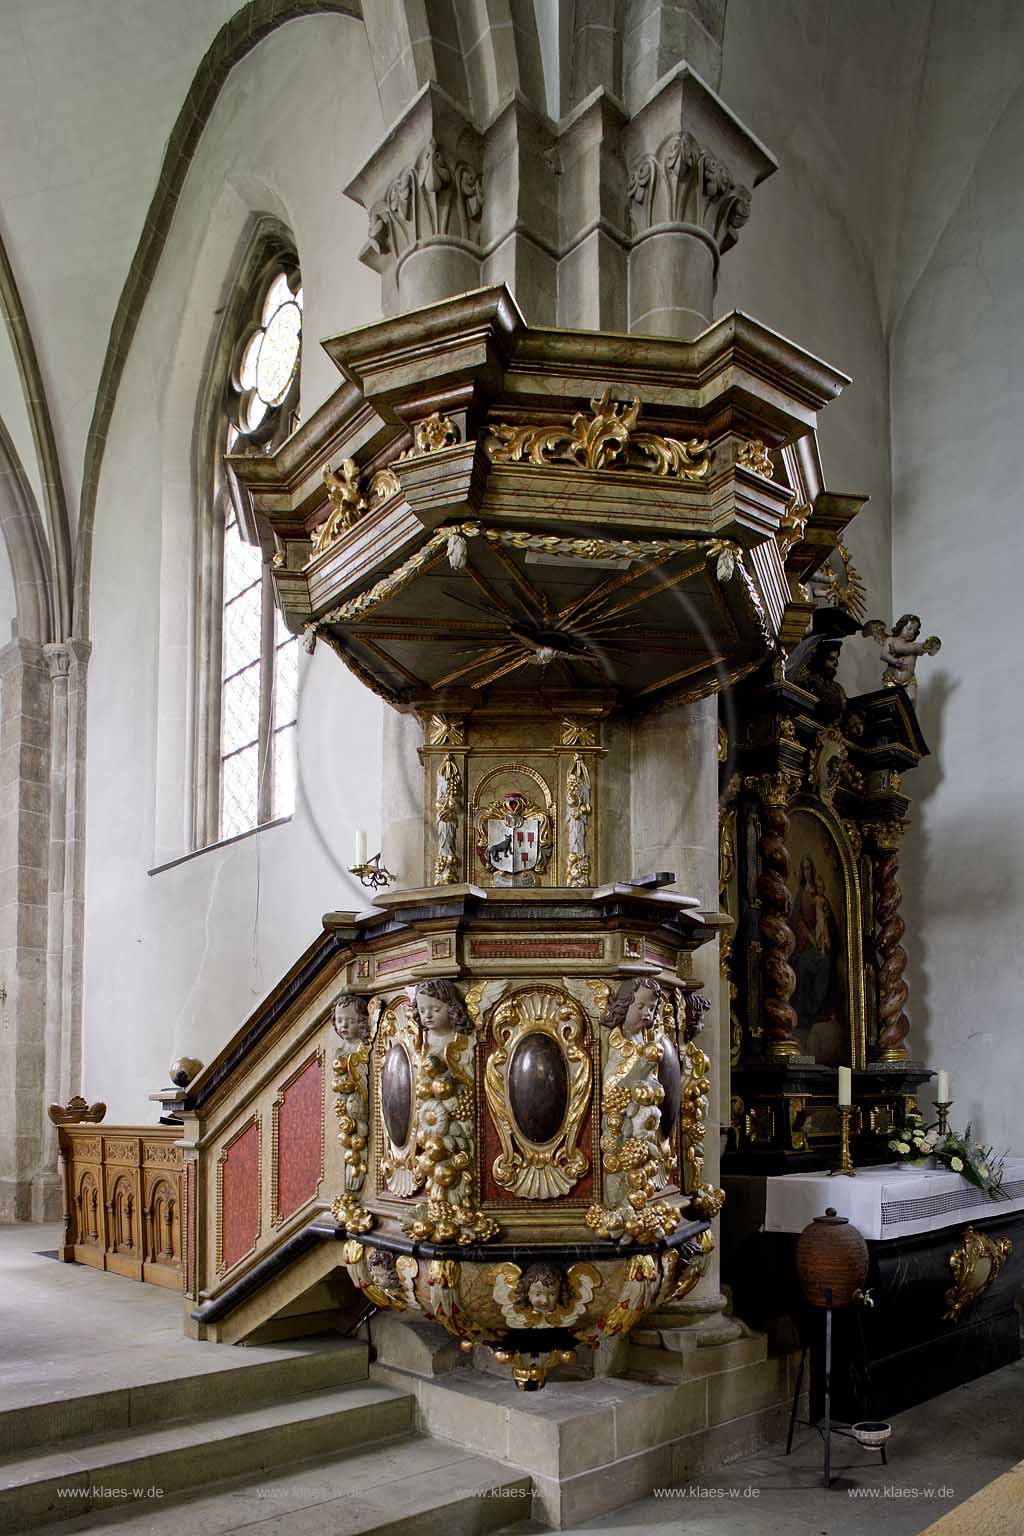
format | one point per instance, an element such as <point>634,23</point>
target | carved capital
<point>422,186</point>
<point>887,835</point>
<point>777,788</point>
<point>683,182</point>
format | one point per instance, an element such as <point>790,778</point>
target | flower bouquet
<point>978,1164</point>
<point>914,1142</point>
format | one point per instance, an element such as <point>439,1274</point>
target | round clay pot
<point>831,1255</point>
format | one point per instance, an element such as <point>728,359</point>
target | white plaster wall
<point>958,406</point>
<point>176,960</point>
<point>827,87</point>
<point>88,96</point>
<point>8,600</point>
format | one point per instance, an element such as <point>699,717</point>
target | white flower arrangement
<point>961,1153</point>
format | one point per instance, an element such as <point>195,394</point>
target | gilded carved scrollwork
<point>975,1265</point>
<point>606,439</point>
<point>533,1165</point>
<point>347,504</point>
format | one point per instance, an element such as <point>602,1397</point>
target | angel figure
<point>444,1091</point>
<point>351,1086</point>
<point>544,1296</point>
<point>899,650</point>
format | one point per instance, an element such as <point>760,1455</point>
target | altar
<point>889,1201</point>
<point>945,1278</point>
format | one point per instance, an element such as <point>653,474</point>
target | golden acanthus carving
<point>347,504</point>
<point>606,439</point>
<point>434,432</point>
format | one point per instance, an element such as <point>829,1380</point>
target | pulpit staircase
<point>306,1443</point>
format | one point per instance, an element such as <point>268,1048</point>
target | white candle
<point>360,847</point>
<point>845,1086</point>
<point>943,1094</point>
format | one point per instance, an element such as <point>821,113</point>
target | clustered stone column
<point>893,1024</point>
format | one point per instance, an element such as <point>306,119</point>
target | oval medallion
<point>538,1087</point>
<point>671,1079</point>
<point>396,1094</point>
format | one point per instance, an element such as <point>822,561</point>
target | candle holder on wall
<point>372,873</point>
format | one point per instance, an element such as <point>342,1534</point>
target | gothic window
<point>247,696</point>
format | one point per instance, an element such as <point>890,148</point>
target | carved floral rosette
<point>541,1041</point>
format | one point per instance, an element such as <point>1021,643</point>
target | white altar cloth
<point>888,1201</point>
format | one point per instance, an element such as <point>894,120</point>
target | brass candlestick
<point>845,1160</point>
<point>943,1110</point>
<point>372,873</point>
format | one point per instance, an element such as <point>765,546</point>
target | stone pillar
<point>692,167</point>
<point>24,871</point>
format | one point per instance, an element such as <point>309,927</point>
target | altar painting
<point>817,916</point>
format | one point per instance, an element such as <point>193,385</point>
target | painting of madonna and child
<point>817,916</point>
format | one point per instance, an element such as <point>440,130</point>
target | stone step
<point>118,1467</point>
<point>216,1379</point>
<point>410,1482</point>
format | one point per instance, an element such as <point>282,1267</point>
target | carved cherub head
<point>542,1287</point>
<point>351,1017</point>
<point>439,1011</point>
<point>382,1270</point>
<point>635,1006</point>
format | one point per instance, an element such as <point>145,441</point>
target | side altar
<point>944,1282</point>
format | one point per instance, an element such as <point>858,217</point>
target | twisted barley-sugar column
<point>777,938</point>
<point>893,1024</point>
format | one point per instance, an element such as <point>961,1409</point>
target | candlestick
<point>942,1095</point>
<point>845,1087</point>
<point>845,1160</point>
<point>360,857</point>
<point>943,1109</point>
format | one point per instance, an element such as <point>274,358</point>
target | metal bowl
<point>871,1433</point>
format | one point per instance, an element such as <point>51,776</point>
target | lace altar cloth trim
<point>889,1201</point>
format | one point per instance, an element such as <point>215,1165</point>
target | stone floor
<point>66,1330</point>
<point>940,1454</point>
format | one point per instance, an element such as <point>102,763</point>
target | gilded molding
<point>606,439</point>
